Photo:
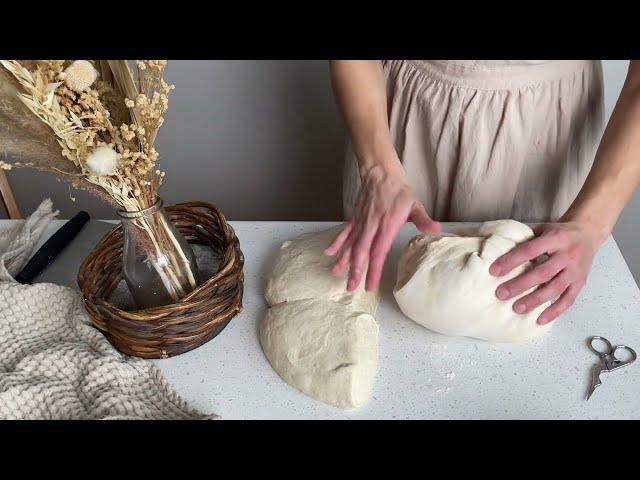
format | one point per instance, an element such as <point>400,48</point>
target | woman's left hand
<point>570,247</point>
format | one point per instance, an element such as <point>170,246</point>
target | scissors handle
<point>618,362</point>
<point>594,349</point>
<point>608,355</point>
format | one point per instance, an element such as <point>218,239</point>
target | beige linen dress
<point>491,139</point>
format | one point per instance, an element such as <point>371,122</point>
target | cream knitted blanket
<point>54,364</point>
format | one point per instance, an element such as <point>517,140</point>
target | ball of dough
<point>444,284</point>
<point>302,270</point>
<point>325,349</point>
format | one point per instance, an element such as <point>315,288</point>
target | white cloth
<point>54,364</point>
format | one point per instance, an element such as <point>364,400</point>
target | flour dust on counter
<point>318,337</point>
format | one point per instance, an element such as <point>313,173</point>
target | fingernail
<point>494,269</point>
<point>502,293</point>
<point>542,321</point>
<point>519,308</point>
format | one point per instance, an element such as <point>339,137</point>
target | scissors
<point>608,360</point>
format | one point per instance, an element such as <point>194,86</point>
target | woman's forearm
<point>616,170</point>
<point>359,88</point>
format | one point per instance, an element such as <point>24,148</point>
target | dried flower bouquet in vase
<point>94,123</point>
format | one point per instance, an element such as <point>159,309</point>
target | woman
<point>484,140</point>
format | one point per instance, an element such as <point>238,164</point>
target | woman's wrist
<point>383,161</point>
<point>384,173</point>
<point>597,221</point>
<point>599,204</point>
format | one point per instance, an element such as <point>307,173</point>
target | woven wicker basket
<point>162,332</point>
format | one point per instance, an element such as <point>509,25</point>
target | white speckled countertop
<point>423,375</point>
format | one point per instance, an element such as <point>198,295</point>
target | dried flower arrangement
<point>104,118</point>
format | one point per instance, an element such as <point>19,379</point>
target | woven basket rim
<point>184,301</point>
<point>187,298</point>
<point>163,331</point>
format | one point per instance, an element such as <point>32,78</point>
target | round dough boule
<point>325,349</point>
<point>444,284</point>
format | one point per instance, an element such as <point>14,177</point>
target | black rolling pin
<point>52,247</point>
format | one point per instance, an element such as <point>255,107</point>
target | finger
<point>345,253</point>
<point>349,229</point>
<point>534,276</point>
<point>380,247</point>
<point>526,252</point>
<point>339,240</point>
<point>341,264</point>
<point>422,221</point>
<point>360,253</point>
<point>547,292</point>
<point>564,302</point>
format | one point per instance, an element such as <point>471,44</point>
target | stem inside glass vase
<point>158,264</point>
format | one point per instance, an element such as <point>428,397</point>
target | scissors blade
<point>595,380</point>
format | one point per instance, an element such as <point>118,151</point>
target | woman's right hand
<point>385,204</point>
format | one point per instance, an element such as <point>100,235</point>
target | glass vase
<point>158,264</point>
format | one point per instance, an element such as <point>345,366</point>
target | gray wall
<point>627,230</point>
<point>263,140</point>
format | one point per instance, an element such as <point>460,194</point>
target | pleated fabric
<point>487,140</point>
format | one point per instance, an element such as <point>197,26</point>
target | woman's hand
<point>385,204</point>
<point>386,201</point>
<point>570,247</point>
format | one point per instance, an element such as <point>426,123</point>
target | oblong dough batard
<point>325,349</point>
<point>444,284</point>
<point>302,270</point>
